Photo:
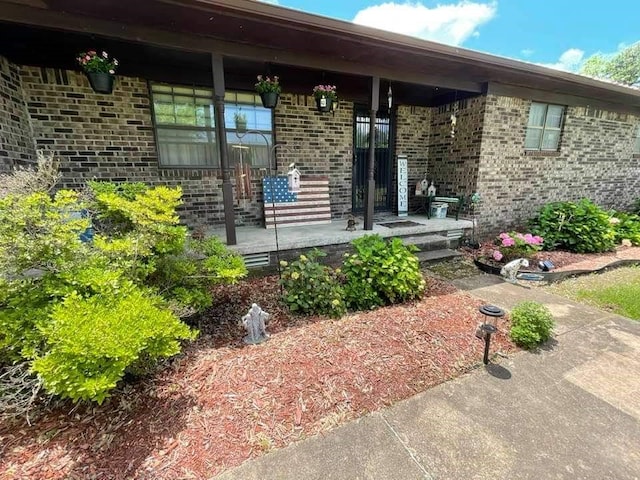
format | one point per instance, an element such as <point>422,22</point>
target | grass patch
<point>616,290</point>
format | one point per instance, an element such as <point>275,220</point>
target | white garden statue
<point>510,270</point>
<point>254,323</point>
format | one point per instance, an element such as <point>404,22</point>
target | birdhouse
<point>293,179</point>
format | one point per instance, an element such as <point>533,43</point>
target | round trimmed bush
<point>531,324</point>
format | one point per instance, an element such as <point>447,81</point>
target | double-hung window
<point>636,148</point>
<point>544,127</point>
<point>185,127</point>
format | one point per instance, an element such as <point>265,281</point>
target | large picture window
<point>544,127</point>
<point>185,127</point>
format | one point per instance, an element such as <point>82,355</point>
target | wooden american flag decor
<point>310,206</point>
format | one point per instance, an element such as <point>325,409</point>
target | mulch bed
<point>221,402</point>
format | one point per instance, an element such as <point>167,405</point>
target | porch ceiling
<point>51,48</point>
<point>266,33</point>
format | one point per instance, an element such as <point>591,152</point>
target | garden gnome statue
<point>254,324</point>
<point>510,270</point>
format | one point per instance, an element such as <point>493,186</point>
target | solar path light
<point>489,326</point>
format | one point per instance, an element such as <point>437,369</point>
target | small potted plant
<point>325,96</point>
<point>100,70</point>
<point>269,90</point>
<point>241,122</point>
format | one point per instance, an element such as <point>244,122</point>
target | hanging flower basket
<point>269,90</point>
<point>269,99</point>
<point>100,70</point>
<point>101,82</point>
<point>324,104</point>
<point>325,96</point>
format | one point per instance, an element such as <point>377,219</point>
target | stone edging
<point>553,276</point>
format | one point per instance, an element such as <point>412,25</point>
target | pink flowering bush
<point>327,91</point>
<point>268,84</point>
<point>91,62</point>
<point>514,245</point>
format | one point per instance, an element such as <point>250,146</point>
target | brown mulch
<point>221,402</point>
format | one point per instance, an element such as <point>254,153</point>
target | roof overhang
<point>262,32</point>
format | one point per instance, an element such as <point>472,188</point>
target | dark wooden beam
<point>371,182</point>
<point>217,66</point>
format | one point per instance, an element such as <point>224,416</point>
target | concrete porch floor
<point>253,240</point>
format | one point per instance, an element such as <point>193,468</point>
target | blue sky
<point>559,33</point>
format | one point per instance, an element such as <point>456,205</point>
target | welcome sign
<point>403,188</point>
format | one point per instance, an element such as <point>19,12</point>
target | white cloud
<point>451,23</point>
<point>569,61</point>
<point>527,52</point>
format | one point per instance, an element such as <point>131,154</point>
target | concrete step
<point>433,256</point>
<point>427,242</point>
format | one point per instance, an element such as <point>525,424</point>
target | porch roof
<point>261,32</point>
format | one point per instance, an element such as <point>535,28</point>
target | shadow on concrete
<point>547,346</point>
<point>498,371</point>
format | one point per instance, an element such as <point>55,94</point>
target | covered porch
<point>164,42</point>
<point>262,248</point>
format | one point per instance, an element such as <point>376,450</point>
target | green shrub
<point>580,227</point>
<point>312,288</point>
<point>626,227</point>
<point>92,341</point>
<point>81,314</point>
<point>531,324</point>
<point>381,272</point>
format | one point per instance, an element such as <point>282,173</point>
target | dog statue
<point>510,270</point>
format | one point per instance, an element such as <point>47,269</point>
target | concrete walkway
<point>571,411</point>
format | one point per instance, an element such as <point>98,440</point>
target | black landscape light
<point>489,326</point>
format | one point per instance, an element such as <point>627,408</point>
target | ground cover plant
<point>93,285</point>
<point>617,290</point>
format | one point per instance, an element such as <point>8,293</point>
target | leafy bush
<point>381,272</point>
<point>92,341</point>
<point>580,227</point>
<point>626,227</point>
<point>82,314</point>
<point>531,324</point>
<point>311,287</point>
<point>514,245</point>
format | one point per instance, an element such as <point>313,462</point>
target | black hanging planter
<point>269,99</point>
<point>323,104</point>
<point>101,82</point>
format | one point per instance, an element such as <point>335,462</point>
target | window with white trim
<point>544,127</point>
<point>185,127</point>
<point>636,148</point>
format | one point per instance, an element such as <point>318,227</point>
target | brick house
<point>524,135</point>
